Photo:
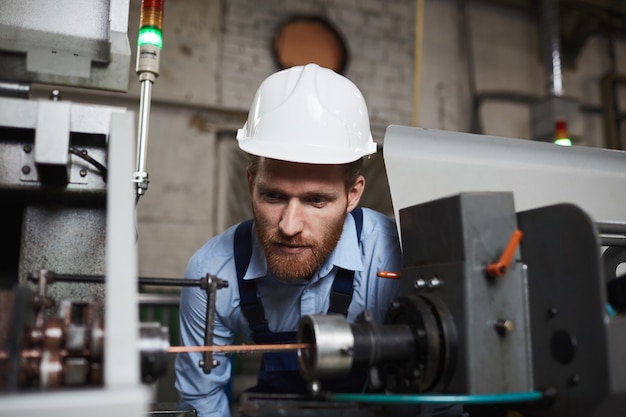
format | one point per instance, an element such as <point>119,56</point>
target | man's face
<point>299,211</point>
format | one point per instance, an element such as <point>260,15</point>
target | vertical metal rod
<point>141,176</point>
<point>552,47</point>
<point>208,361</point>
<point>210,284</point>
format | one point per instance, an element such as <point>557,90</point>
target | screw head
<point>503,326</point>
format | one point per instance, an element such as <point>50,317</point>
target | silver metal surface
<point>74,232</point>
<point>35,119</point>
<point>84,27</point>
<point>334,342</point>
<point>122,315</point>
<point>84,118</point>
<point>65,42</point>
<point>144,124</point>
<point>14,89</point>
<point>424,164</point>
<point>52,141</point>
<point>141,176</point>
<point>453,239</point>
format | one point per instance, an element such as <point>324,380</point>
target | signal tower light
<point>561,136</point>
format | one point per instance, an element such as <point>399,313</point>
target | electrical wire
<point>439,398</point>
<point>82,153</point>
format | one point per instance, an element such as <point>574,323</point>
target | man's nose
<point>292,220</point>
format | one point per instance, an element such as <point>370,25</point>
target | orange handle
<point>388,275</point>
<point>497,269</point>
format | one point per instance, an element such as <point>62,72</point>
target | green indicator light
<point>563,142</point>
<point>150,36</point>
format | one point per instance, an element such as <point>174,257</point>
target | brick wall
<point>379,35</point>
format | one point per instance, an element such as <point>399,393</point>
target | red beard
<point>301,265</point>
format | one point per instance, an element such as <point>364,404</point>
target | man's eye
<point>317,200</point>
<point>271,196</point>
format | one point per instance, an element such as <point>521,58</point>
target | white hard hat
<point>308,114</point>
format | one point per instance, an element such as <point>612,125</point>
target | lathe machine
<point>511,296</point>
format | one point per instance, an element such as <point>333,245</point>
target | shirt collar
<point>347,254</point>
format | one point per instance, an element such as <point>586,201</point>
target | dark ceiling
<point>579,19</point>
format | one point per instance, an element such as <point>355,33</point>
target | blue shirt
<point>284,302</point>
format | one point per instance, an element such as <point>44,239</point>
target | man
<point>307,133</point>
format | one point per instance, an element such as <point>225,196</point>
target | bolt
<point>503,326</point>
<point>574,380</point>
<point>315,387</point>
<point>435,282</point>
<point>55,95</point>
<point>83,172</point>
<point>27,148</point>
<point>552,312</point>
<point>215,363</point>
<point>26,169</point>
<point>419,283</point>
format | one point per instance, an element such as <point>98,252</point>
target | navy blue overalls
<point>279,372</point>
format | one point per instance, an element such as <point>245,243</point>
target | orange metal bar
<point>499,268</point>
<point>388,275</point>
<point>240,348</point>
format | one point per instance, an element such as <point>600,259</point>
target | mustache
<point>279,239</point>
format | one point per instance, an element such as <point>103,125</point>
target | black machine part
<point>415,349</point>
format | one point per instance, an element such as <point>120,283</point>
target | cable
<point>439,398</point>
<point>82,153</point>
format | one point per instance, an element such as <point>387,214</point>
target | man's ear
<point>250,181</point>
<point>355,192</point>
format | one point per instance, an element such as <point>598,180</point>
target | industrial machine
<point>513,310</point>
<point>495,306</point>
<point>68,197</point>
<point>511,294</point>
<point>512,291</point>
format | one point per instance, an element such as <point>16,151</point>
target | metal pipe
<point>141,176</point>
<point>18,90</point>
<point>339,347</point>
<point>611,228</point>
<point>99,279</point>
<point>241,348</point>
<point>552,47</point>
<point>613,241</point>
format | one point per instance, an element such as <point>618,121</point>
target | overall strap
<point>251,307</point>
<point>342,289</point>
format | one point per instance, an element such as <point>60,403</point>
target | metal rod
<point>240,348</point>
<point>552,47</point>
<point>141,176</point>
<point>38,353</point>
<point>613,241</point>
<point>611,228</point>
<point>14,89</point>
<point>99,279</point>
<point>35,353</point>
<point>144,118</point>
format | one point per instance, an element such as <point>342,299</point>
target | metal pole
<point>552,47</point>
<point>141,176</point>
